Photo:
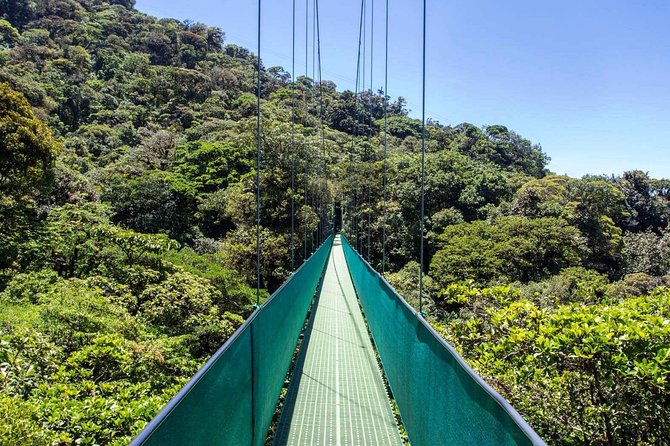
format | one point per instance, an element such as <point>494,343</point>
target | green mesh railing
<point>232,399</point>
<point>441,400</point>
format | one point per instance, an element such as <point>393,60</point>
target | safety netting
<point>232,399</point>
<point>441,400</point>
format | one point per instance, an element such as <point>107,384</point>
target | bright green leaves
<point>508,248</point>
<point>79,240</point>
<point>9,35</point>
<point>603,365</point>
<point>593,204</point>
<point>155,201</point>
<point>212,165</point>
<point>73,312</point>
<point>187,304</point>
<point>27,154</point>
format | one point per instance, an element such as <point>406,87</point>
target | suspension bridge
<point>336,356</point>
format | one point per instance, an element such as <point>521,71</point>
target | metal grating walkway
<point>336,395</point>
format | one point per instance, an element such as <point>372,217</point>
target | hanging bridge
<point>337,394</point>
<point>336,356</point>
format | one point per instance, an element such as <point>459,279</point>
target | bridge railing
<point>440,398</point>
<point>232,399</point>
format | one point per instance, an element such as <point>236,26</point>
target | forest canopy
<point>127,231</point>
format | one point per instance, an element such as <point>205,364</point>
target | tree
<point>17,12</point>
<point>581,374</point>
<point>542,197</point>
<point>592,204</point>
<point>27,151</point>
<point>598,209</point>
<point>506,249</point>
<point>502,147</point>
<point>155,201</point>
<point>402,126</point>
<point>648,207</point>
<point>646,252</point>
<point>27,154</point>
<point>211,166</point>
<point>9,36</point>
<point>185,303</point>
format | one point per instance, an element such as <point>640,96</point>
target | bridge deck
<point>337,396</point>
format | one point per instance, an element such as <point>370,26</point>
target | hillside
<point>127,231</point>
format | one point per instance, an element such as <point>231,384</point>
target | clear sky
<point>587,79</point>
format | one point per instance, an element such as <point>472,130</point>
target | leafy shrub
<point>572,285</point>
<point>25,288</point>
<point>581,373</point>
<point>633,285</point>
<point>26,358</point>
<point>185,303</point>
<point>73,313</point>
<point>406,282</point>
<point>235,295</point>
<point>21,423</point>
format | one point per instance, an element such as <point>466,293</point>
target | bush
<point>27,358</point>
<point>26,288</point>
<point>73,313</point>
<point>235,295</point>
<point>595,374</point>
<point>21,423</point>
<point>633,285</point>
<point>188,304</point>
<point>571,285</point>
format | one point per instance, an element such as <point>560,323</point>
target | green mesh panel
<point>441,401</point>
<point>227,404</point>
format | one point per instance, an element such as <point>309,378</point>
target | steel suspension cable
<point>363,90</point>
<point>354,218</point>
<point>361,120</point>
<point>258,165</point>
<point>306,154</point>
<point>386,131</point>
<point>323,140</point>
<point>314,194</point>
<point>370,156</point>
<point>423,160</point>
<point>258,221</point>
<point>293,145</point>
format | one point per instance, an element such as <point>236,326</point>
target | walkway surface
<point>337,395</point>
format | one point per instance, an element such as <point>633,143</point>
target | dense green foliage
<point>127,231</point>
<point>581,373</point>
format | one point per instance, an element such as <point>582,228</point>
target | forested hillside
<point>127,231</point>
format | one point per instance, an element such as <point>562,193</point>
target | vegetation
<point>127,230</point>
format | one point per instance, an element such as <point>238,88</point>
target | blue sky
<point>587,79</point>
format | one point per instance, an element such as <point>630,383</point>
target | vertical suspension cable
<point>258,165</point>
<point>306,154</point>
<point>354,216</point>
<point>314,193</point>
<point>258,227</point>
<point>370,155</point>
<point>386,131</point>
<point>293,146</point>
<point>363,89</point>
<point>323,140</point>
<point>423,159</point>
